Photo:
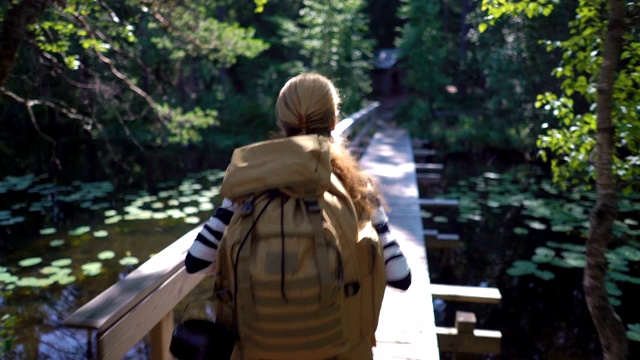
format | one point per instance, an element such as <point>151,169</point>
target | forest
<point>141,92</point>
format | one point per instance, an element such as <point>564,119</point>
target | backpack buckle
<point>224,295</point>
<point>312,205</point>
<point>351,289</point>
<point>247,207</point>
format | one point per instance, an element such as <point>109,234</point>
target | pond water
<point>524,236</point>
<point>62,245</point>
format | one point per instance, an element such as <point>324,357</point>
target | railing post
<point>465,324</point>
<point>160,337</point>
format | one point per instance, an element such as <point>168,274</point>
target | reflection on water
<point>89,224</point>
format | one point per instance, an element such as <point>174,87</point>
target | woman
<point>317,299</point>
<point>309,104</point>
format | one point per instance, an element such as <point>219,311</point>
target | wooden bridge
<point>142,305</point>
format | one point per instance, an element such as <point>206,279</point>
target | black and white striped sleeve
<point>202,253</point>
<point>396,266</point>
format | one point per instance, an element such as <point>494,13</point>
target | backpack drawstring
<point>282,259</point>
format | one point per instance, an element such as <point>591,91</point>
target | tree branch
<point>14,28</point>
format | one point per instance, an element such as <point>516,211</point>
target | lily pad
<point>129,260</point>
<point>634,332</point>
<point>110,213</point>
<point>33,282</point>
<point>545,251</point>
<point>92,268</point>
<point>61,262</point>
<point>544,274</point>
<point>100,233</point>
<point>189,210</point>
<point>113,219</point>
<point>48,270</point>
<point>536,225</point>
<point>629,253</point>
<point>206,206</point>
<point>8,278</point>
<point>56,242</point>
<point>561,228</point>
<point>106,255</point>
<point>48,231</point>
<point>30,261</point>
<point>522,267</point>
<point>80,230</point>
<point>614,301</point>
<point>560,262</point>
<point>64,279</point>
<point>520,230</point>
<point>192,220</point>
<point>612,288</point>
<point>441,219</point>
<point>425,214</point>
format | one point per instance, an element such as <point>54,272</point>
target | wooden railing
<point>143,302</point>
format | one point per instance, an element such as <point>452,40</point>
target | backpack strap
<point>242,273</point>
<point>322,256</point>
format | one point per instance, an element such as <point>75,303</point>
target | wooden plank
<point>424,152</point>
<point>428,178</point>
<point>479,342</point>
<point>438,203</point>
<point>406,327</point>
<point>441,241</point>
<point>419,143</point>
<point>114,342</point>
<point>471,294</point>
<point>429,166</point>
<point>110,305</point>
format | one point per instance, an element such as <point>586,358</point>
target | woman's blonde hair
<point>309,104</point>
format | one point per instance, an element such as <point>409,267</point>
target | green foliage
<point>425,46</point>
<point>183,127</point>
<point>475,91</point>
<point>569,145</point>
<point>332,38</point>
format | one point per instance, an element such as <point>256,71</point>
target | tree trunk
<point>14,28</point>
<point>611,330</point>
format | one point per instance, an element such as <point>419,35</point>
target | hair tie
<point>303,123</point>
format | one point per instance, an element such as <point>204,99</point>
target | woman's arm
<point>397,268</point>
<point>202,253</point>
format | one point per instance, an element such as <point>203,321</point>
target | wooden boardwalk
<point>407,325</point>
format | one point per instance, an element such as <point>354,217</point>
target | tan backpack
<point>298,276</point>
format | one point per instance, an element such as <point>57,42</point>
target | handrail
<point>144,300</point>
<point>345,126</point>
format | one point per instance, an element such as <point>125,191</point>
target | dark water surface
<point>514,214</point>
<point>540,317</point>
<point>87,237</point>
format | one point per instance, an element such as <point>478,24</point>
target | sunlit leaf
<point>100,233</point>
<point>48,231</point>
<point>520,230</point>
<point>80,230</point>
<point>107,254</point>
<point>92,268</point>
<point>30,261</point>
<point>129,260</point>
<point>544,274</point>
<point>56,242</point>
<point>61,262</point>
<point>192,220</point>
